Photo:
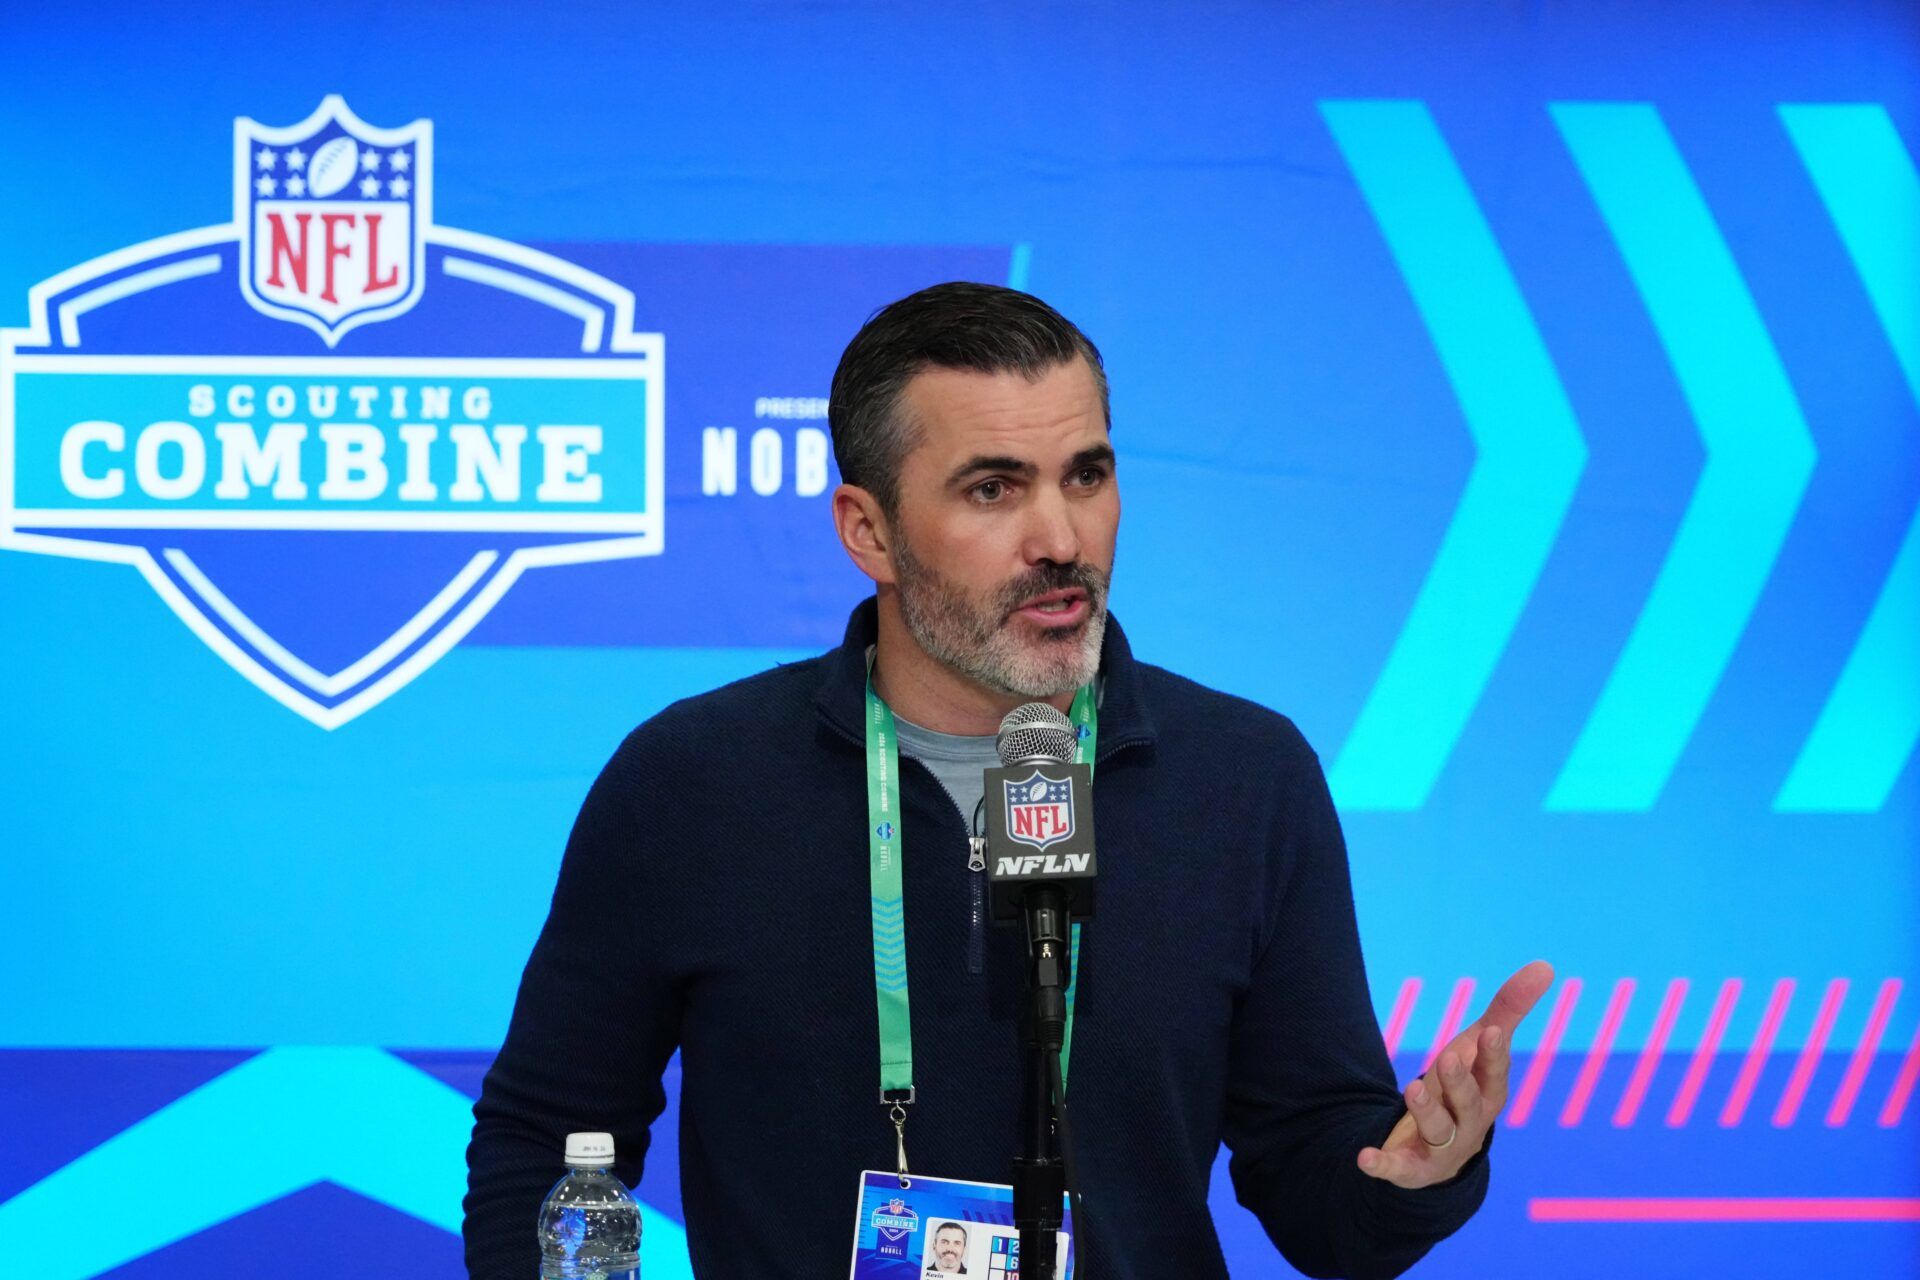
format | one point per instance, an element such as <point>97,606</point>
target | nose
<point>1051,533</point>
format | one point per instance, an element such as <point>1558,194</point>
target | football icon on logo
<point>332,167</point>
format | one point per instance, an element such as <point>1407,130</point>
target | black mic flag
<point>1039,814</point>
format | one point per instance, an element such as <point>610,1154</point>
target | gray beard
<point>975,640</point>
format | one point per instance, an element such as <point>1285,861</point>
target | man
<point>949,1250</point>
<point>713,897</point>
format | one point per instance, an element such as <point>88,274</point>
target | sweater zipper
<point>976,883</point>
<point>977,888</point>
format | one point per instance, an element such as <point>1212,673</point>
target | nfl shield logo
<point>1039,810</point>
<point>330,213</point>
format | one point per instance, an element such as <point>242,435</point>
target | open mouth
<point>1055,609</point>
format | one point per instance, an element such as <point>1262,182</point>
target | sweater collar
<point>1124,718</point>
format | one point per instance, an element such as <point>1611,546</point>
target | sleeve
<point>596,1019</point>
<point>1309,1080</point>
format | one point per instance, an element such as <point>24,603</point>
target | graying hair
<point>959,325</point>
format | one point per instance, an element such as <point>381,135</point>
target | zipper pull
<point>976,853</point>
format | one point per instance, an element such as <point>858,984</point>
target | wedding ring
<point>1449,1142</point>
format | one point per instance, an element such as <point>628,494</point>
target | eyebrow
<point>1093,455</point>
<point>991,462</point>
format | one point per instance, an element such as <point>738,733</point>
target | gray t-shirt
<point>957,760</point>
<point>960,761</point>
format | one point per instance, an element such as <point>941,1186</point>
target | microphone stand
<point>1039,1172</point>
<point>1043,1171</point>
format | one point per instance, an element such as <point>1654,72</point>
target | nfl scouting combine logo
<point>329,433</point>
<point>893,1222</point>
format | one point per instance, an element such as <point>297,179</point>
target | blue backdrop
<point>1525,398</point>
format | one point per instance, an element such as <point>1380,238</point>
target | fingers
<point>1397,1164</point>
<point>1429,1111</point>
<point>1388,1166</point>
<point>1457,1100</point>
<point>1390,1160</point>
<point>1517,996</point>
<point>1492,1066</point>
<point>1467,1045</point>
<point>1464,1104</point>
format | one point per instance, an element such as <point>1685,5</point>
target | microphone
<point>1040,861</point>
<point>1039,813</point>
<point>1041,870</point>
<point>1035,732</point>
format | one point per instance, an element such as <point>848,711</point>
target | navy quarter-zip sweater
<point>713,899</point>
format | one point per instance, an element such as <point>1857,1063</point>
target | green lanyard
<point>889,903</point>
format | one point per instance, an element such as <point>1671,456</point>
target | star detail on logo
<point>296,185</point>
<point>399,187</point>
<point>369,187</point>
<point>296,159</point>
<point>369,160</point>
<point>401,160</point>
<point>265,158</point>
<point>264,185</point>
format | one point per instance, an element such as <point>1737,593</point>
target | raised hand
<point>1451,1107</point>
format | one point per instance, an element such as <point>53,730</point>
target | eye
<point>1089,476</point>
<point>989,490</point>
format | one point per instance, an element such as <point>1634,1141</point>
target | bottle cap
<point>588,1149</point>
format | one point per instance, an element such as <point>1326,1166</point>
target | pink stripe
<point>1536,1077</point>
<point>1450,1020</point>
<point>1725,1210</point>
<point>1703,1056</point>
<point>1902,1085</point>
<point>1402,1010</point>
<point>1789,1104</point>
<point>1597,1055</point>
<point>1842,1105</point>
<point>1757,1054</point>
<point>1650,1055</point>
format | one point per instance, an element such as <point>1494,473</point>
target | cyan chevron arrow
<point>1530,454</point>
<point>1759,458</point>
<point>1870,724</point>
<point>273,1125</point>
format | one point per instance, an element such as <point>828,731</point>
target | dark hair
<point>958,325</point>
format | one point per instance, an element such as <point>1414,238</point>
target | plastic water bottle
<point>589,1225</point>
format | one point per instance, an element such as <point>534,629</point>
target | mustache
<point>1054,576</point>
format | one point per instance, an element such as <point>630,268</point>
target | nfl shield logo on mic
<point>1039,810</point>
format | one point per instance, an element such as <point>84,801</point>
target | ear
<point>863,531</point>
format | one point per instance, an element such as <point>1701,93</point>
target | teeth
<point>1055,606</point>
